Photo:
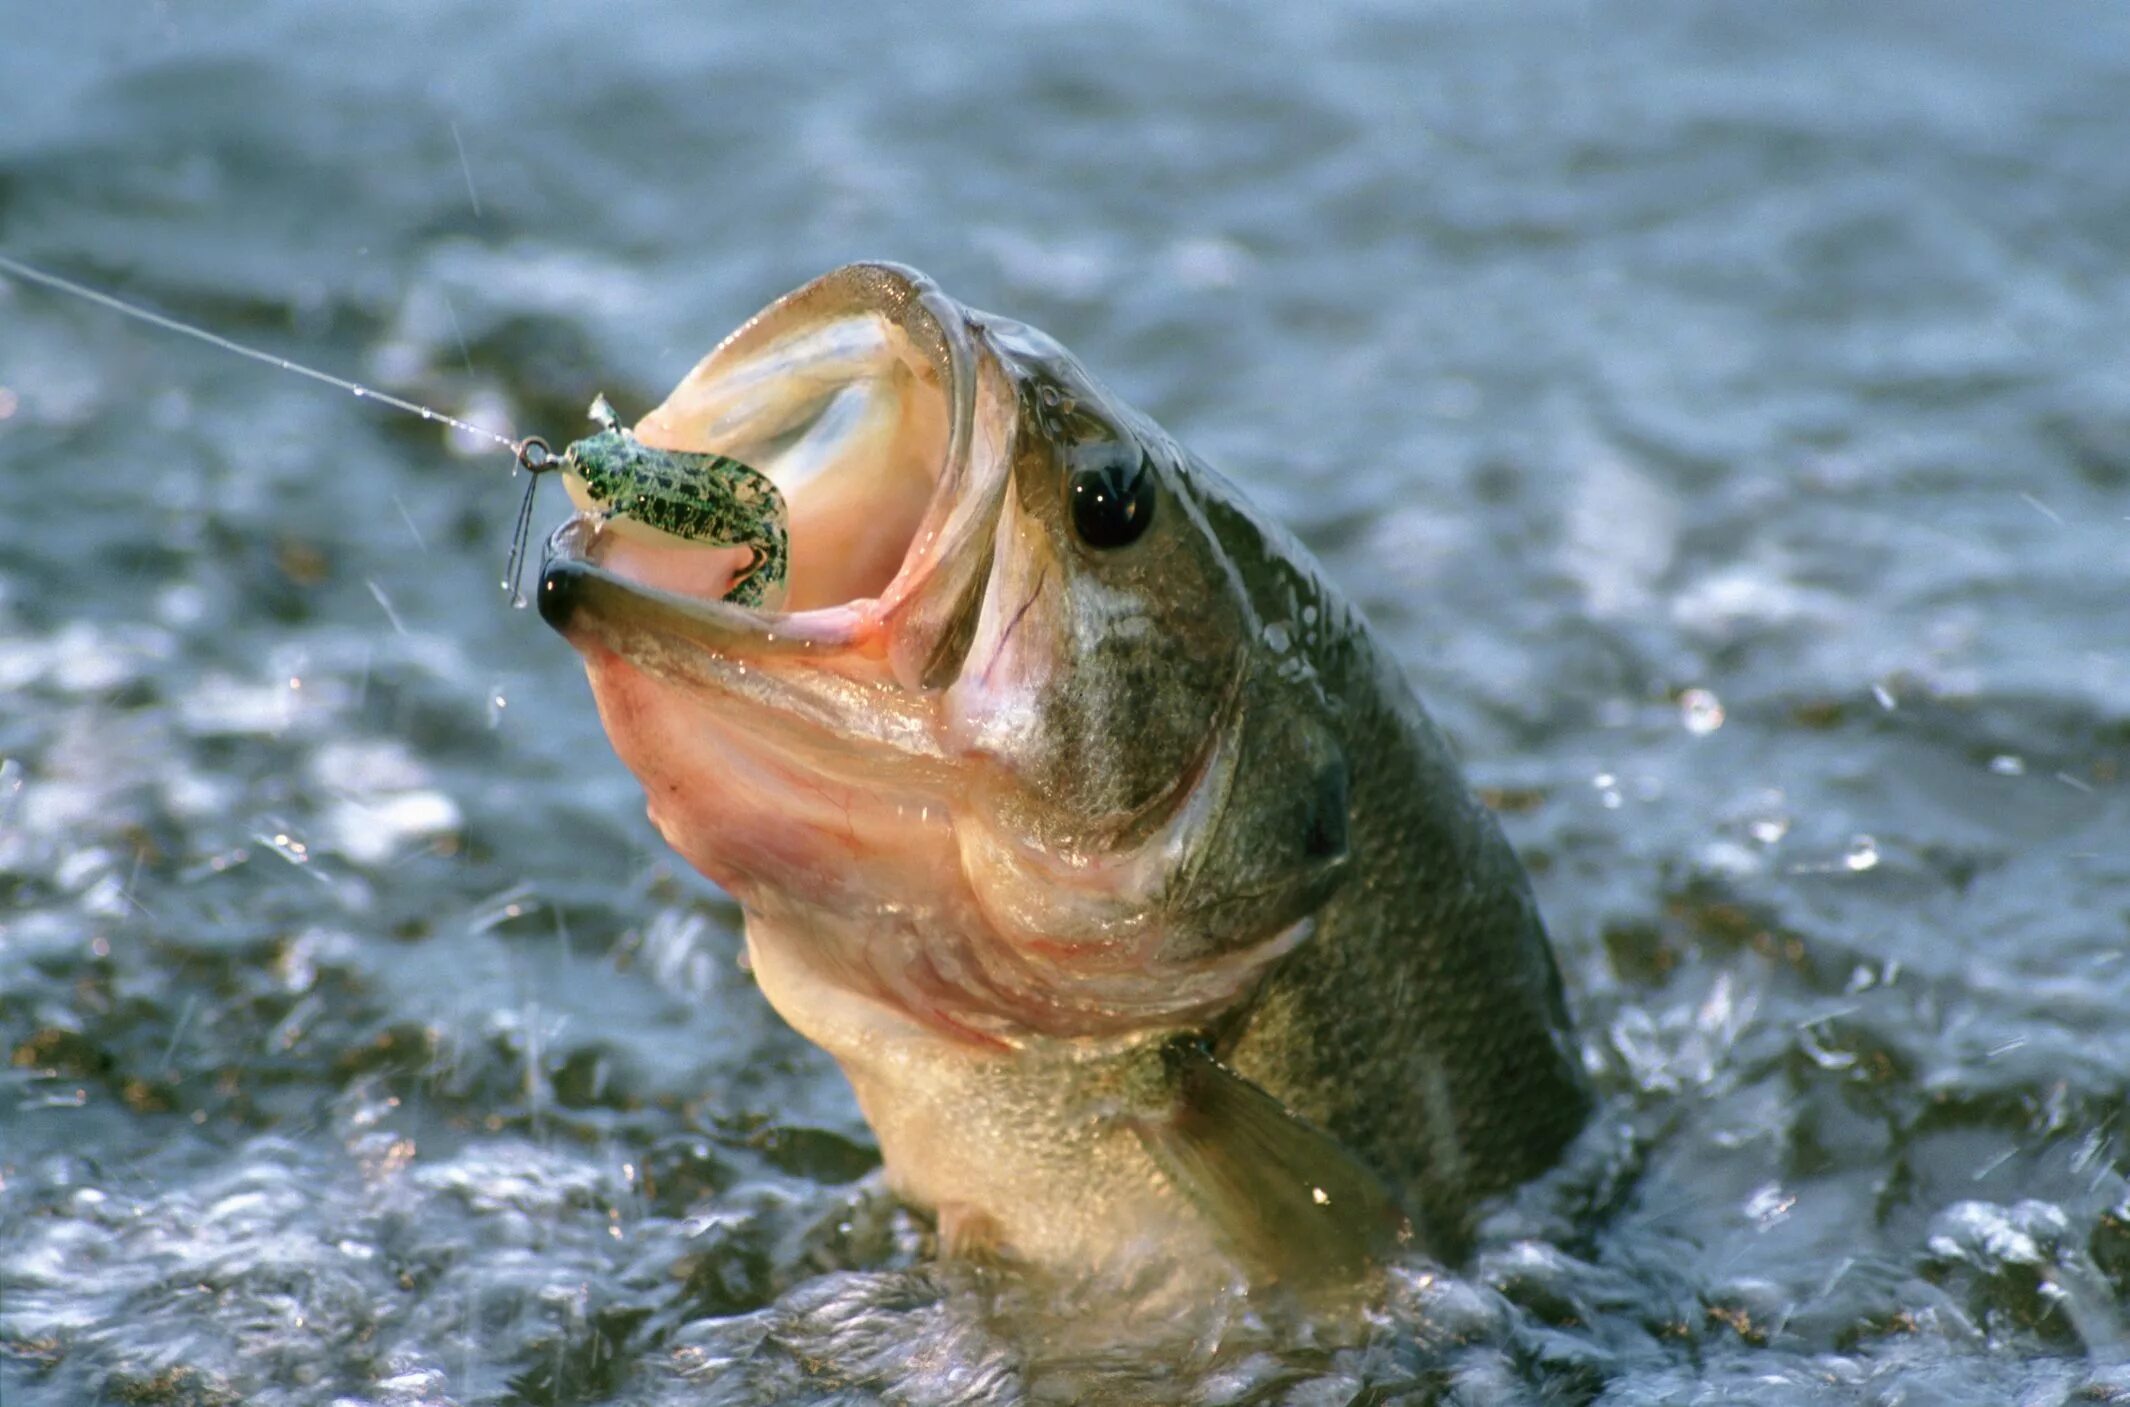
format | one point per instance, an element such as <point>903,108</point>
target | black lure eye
<point>1112,502</point>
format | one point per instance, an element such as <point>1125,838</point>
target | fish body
<point>1076,814</point>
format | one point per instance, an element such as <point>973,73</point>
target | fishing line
<point>147,315</point>
<point>532,452</point>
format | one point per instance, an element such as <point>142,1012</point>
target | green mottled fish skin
<point>707,498</point>
<point>1422,1024</point>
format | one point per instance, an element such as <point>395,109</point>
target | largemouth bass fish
<point>1074,812</point>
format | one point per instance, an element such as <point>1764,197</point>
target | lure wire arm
<point>535,457</point>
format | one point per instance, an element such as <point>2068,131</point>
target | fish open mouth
<point>830,761</point>
<point>857,396</point>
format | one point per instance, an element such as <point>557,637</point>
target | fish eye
<point>1112,502</point>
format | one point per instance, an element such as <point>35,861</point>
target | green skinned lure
<point>707,498</point>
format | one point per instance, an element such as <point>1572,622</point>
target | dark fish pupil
<point>1112,504</point>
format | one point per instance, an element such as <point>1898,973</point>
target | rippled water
<point>1724,409</point>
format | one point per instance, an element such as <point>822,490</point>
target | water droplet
<point>1885,697</point>
<point>1701,711</point>
<point>1769,1205</point>
<point>360,392</point>
<point>2006,764</point>
<point>286,846</point>
<point>1863,854</point>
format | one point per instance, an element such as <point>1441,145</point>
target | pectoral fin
<point>1286,1196</point>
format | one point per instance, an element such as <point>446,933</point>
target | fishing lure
<point>708,498</point>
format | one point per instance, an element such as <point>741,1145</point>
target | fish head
<point>1013,760</point>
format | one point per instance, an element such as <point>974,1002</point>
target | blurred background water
<point>1724,409</point>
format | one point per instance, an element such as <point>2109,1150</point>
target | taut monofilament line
<point>531,453</point>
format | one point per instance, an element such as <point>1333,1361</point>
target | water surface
<point>1723,410</point>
